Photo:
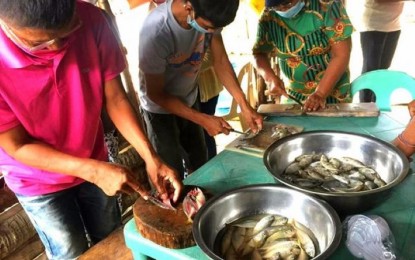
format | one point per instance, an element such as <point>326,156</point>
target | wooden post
<point>126,150</point>
<point>125,75</point>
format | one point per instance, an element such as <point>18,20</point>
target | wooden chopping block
<point>164,227</point>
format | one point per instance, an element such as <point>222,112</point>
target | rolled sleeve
<point>263,44</point>
<point>337,23</point>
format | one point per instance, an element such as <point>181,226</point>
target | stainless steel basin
<point>390,163</point>
<point>317,215</point>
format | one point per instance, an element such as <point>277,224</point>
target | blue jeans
<point>69,221</point>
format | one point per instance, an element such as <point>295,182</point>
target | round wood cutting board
<point>164,227</point>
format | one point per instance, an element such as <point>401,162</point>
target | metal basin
<point>317,215</point>
<point>390,163</point>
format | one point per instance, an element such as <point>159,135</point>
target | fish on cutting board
<point>166,227</point>
<point>270,133</point>
<point>331,110</point>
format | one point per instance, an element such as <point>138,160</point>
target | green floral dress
<point>302,45</point>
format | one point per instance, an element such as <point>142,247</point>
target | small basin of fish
<point>303,225</point>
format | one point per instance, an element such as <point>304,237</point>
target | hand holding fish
<point>254,120</point>
<point>165,180</point>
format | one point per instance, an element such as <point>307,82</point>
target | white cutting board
<point>332,110</point>
<point>257,145</point>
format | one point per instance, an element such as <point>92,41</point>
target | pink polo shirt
<point>58,97</point>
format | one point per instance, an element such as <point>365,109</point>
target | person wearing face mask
<point>60,64</point>
<point>311,40</point>
<point>172,43</point>
<point>209,90</point>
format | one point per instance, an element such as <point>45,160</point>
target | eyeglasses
<point>40,46</point>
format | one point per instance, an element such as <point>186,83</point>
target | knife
<point>237,131</point>
<point>246,135</point>
<point>250,148</point>
<point>156,201</point>
<point>295,99</point>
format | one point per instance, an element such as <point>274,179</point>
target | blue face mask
<point>195,25</point>
<point>293,11</point>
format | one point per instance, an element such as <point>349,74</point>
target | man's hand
<point>114,178</point>
<point>254,120</point>
<point>215,125</point>
<point>166,180</point>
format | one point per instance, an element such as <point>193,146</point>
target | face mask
<point>50,54</point>
<point>43,53</point>
<point>195,25</point>
<point>293,11</point>
<point>41,49</point>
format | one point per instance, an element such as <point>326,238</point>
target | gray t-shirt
<point>167,48</point>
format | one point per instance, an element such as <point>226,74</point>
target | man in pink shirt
<point>59,67</point>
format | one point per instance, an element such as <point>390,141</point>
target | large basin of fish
<point>214,219</point>
<point>388,163</point>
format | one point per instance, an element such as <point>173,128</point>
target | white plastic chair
<point>247,78</point>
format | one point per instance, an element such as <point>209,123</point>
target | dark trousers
<point>178,141</point>
<point>209,108</point>
<point>378,49</point>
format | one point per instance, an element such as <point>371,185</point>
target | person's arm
<point>155,90</point>
<point>111,178</point>
<point>340,57</point>
<point>270,76</point>
<point>123,115</point>
<point>411,108</point>
<point>406,140</point>
<point>391,1</point>
<point>228,78</point>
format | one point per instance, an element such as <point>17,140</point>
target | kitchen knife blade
<point>296,100</point>
<point>245,135</point>
<point>156,201</point>
<point>237,131</point>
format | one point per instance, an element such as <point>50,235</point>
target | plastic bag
<point>369,237</point>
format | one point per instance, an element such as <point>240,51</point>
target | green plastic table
<point>231,169</point>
